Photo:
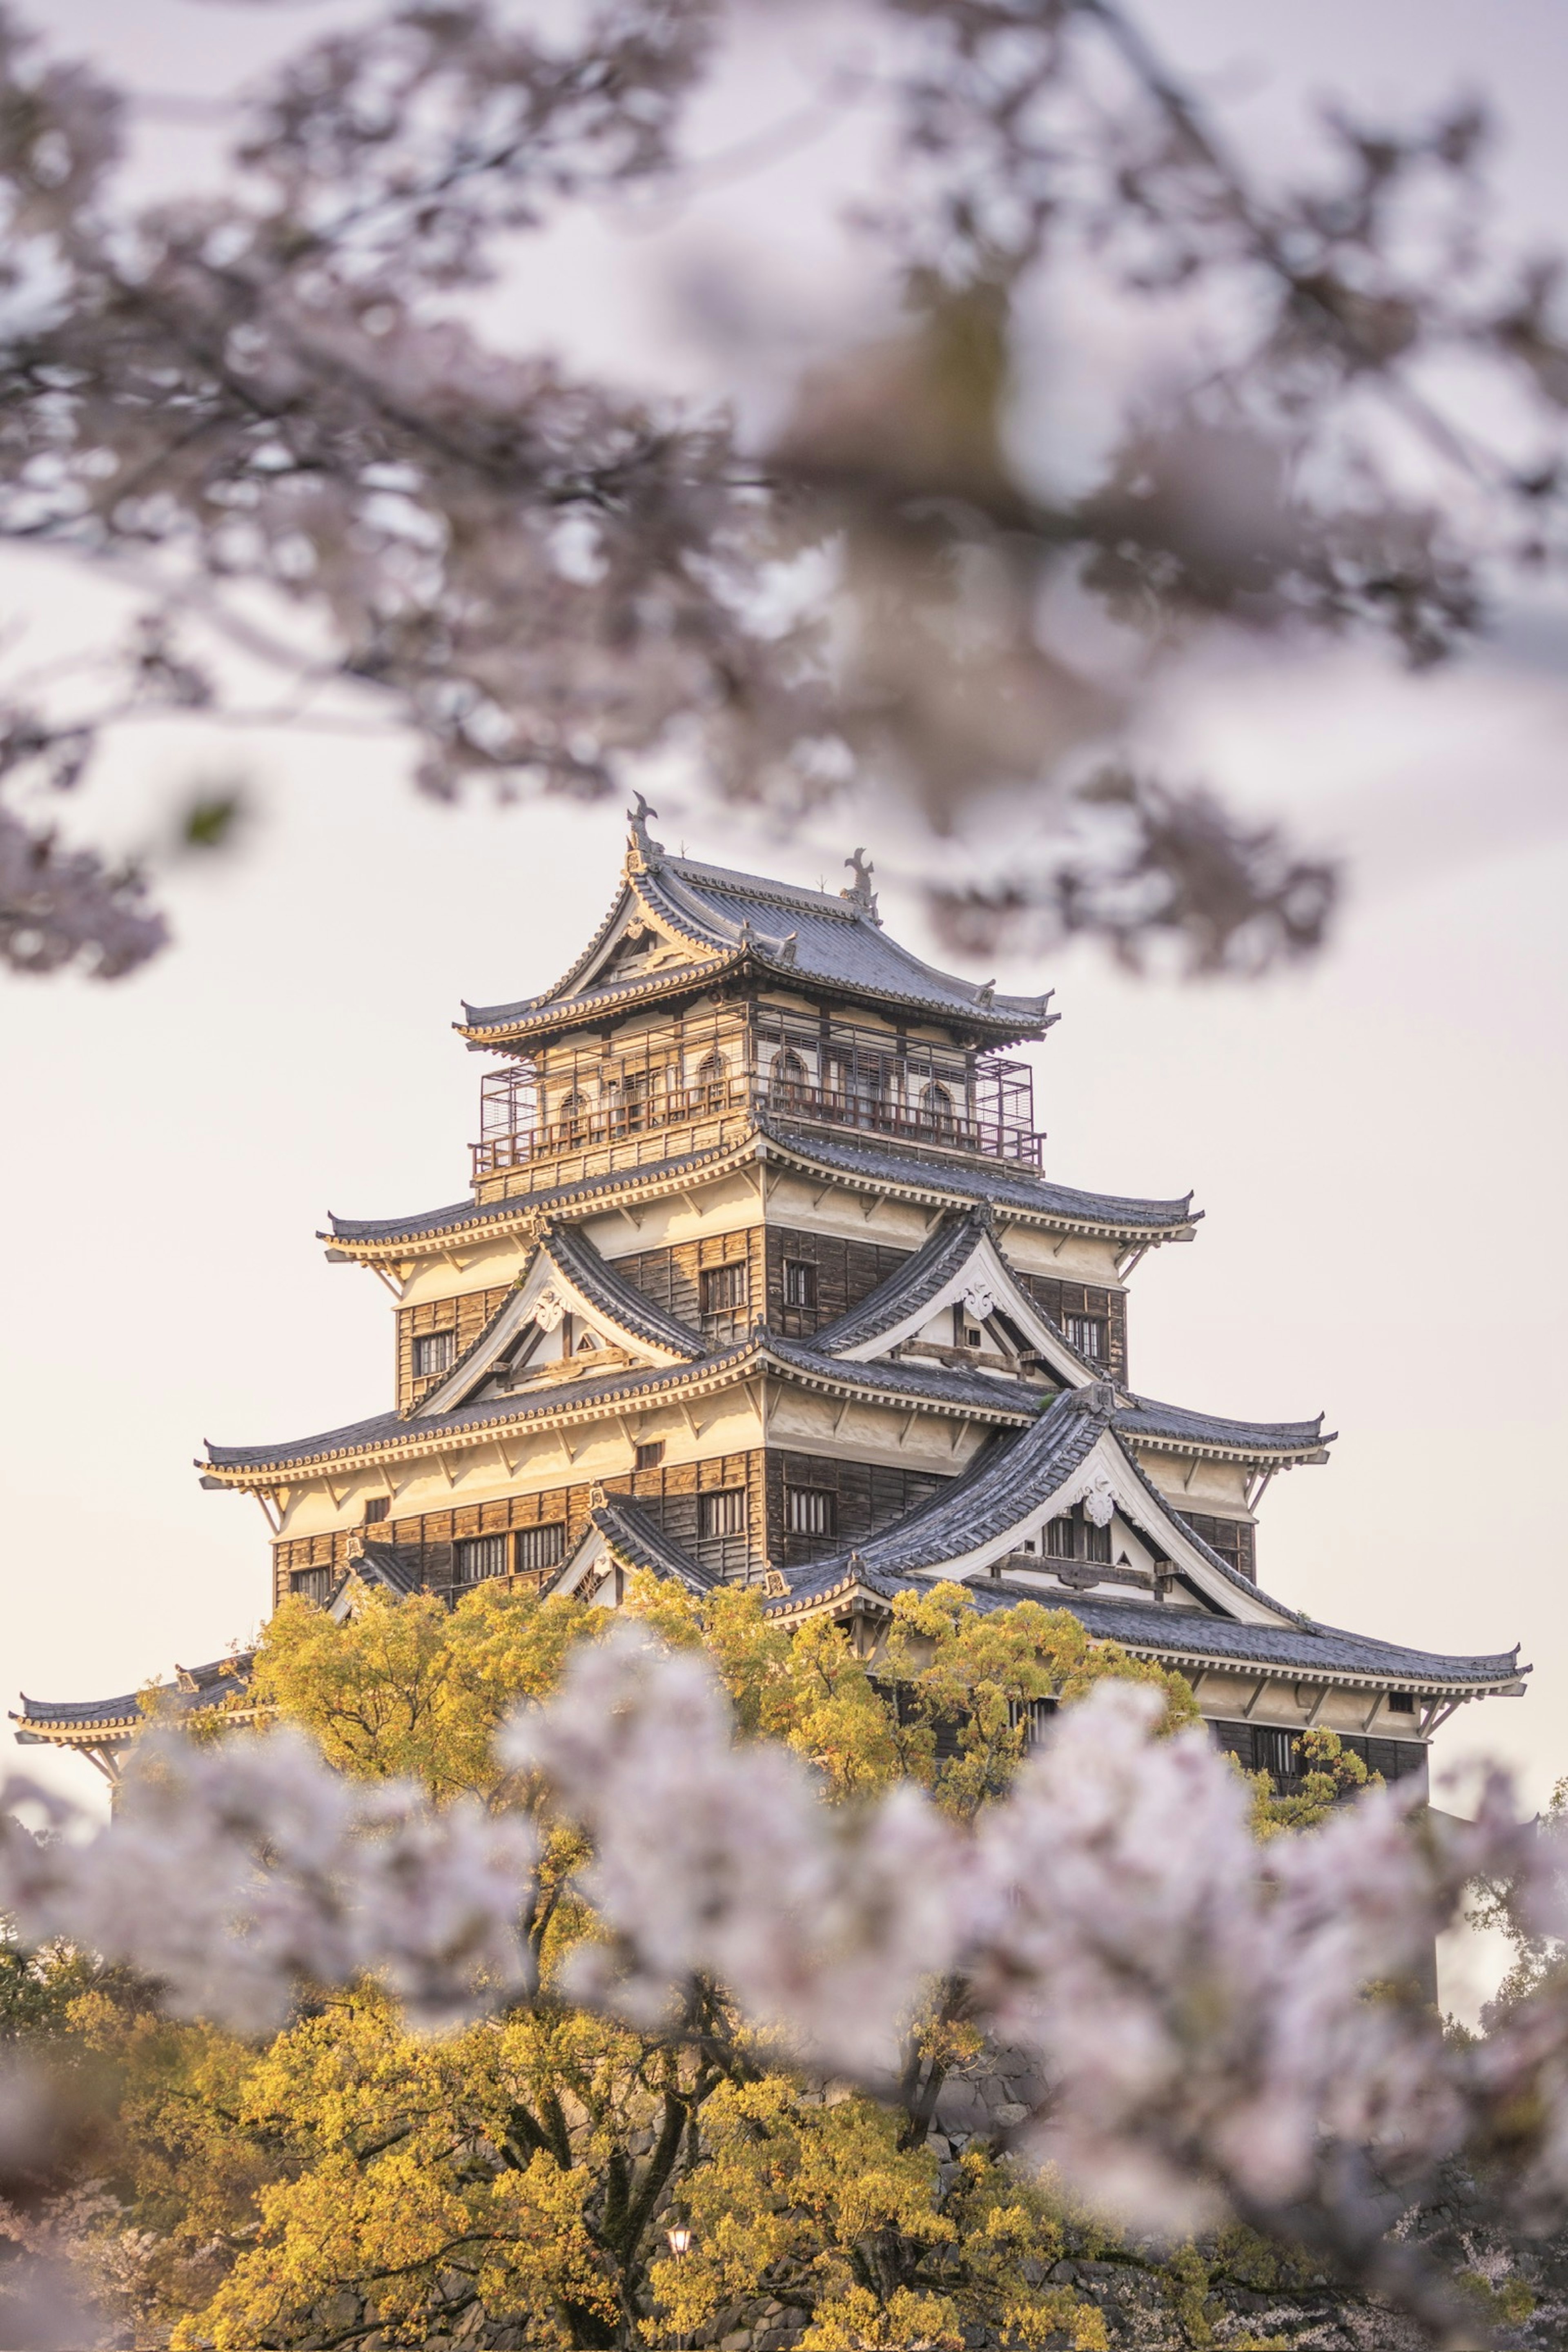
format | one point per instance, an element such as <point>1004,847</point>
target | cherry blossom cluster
<point>1225,2027</point>
<point>237,1874</point>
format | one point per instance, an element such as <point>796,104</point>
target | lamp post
<point>679,2243</point>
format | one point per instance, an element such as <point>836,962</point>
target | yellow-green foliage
<point>816,2203</point>
<point>351,2177</point>
<point>1331,1771</point>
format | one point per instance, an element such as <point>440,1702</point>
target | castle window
<point>539,1548</point>
<point>573,1118</point>
<point>479,1556</point>
<point>787,1079</point>
<point>649,1456</point>
<point>1087,1334</point>
<point>1276,1753</point>
<point>434,1352</point>
<point>312,1584</point>
<point>713,1083</point>
<point>1097,1541</point>
<point>799,1283</point>
<point>722,1514</point>
<point>1402,1702</point>
<point>936,1104</point>
<point>811,1511</point>
<point>723,1289</point>
<point>1060,1539</point>
<point>377,1507</point>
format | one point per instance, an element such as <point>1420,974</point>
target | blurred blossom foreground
<point>1227,2028</point>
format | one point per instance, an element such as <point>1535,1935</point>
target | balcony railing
<point>944,1120</point>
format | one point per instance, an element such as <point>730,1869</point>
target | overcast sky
<point>1378,1146</point>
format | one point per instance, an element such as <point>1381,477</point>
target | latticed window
<point>377,1507</point>
<point>479,1556</point>
<point>936,1107</point>
<point>722,1514</point>
<point>651,1455</point>
<point>1402,1702</point>
<point>1097,1541</point>
<point>722,1288</point>
<point>539,1548</point>
<point>811,1511</point>
<point>573,1118</point>
<point>799,1283</point>
<point>312,1584</point>
<point>434,1352</point>
<point>1087,1334</point>
<point>712,1085</point>
<point>1060,1539</point>
<point>787,1079</point>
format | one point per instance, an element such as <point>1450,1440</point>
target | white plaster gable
<point>539,1306</point>
<point>1106,1482</point>
<point>984,1284</point>
<point>636,943</point>
<point>591,1565</point>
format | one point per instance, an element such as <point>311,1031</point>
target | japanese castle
<point>759,1280</point>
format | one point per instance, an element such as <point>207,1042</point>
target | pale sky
<point>1378,1145</point>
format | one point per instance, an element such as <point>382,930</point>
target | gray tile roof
<point>799,934</point>
<point>636,1538</point>
<point>1005,1479</point>
<point>597,1278</point>
<point>214,1682</point>
<point>1004,1402</point>
<point>908,1287</point>
<point>125,1708</point>
<point>460,1215</point>
<point>384,1564</point>
<point>929,1173</point>
<point>993,1182</point>
<point>1145,1419</point>
<point>1176,1633</point>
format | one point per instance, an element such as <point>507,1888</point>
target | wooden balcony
<point>656,1112</point>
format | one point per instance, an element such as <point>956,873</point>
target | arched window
<point>936,1107</point>
<point>786,1080</point>
<point>713,1088</point>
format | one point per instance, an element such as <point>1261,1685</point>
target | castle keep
<point>759,1279</point>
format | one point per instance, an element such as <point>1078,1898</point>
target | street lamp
<point>679,2243</point>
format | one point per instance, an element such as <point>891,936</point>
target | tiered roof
<point>736,924</point>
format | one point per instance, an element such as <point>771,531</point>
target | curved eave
<point>998,1025</point>
<point>855,1593</point>
<point>1189,1659</point>
<point>1247,1455</point>
<point>100,1731</point>
<point>407,1441</point>
<point>1056,1218</point>
<point>593,1195</point>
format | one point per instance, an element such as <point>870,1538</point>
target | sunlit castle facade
<point>759,1281</point>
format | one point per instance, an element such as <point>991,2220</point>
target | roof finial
<point>641,848</point>
<point>861,894</point>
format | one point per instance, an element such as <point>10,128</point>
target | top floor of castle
<point>707,997</point>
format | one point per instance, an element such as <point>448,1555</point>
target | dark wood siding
<point>673,1496</point>
<point>1236,1540</point>
<point>465,1316</point>
<point>1062,1299</point>
<point>1264,1747</point>
<point>868,1498</point>
<point>672,1279</point>
<point>847,1272</point>
<point>425,1540</point>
